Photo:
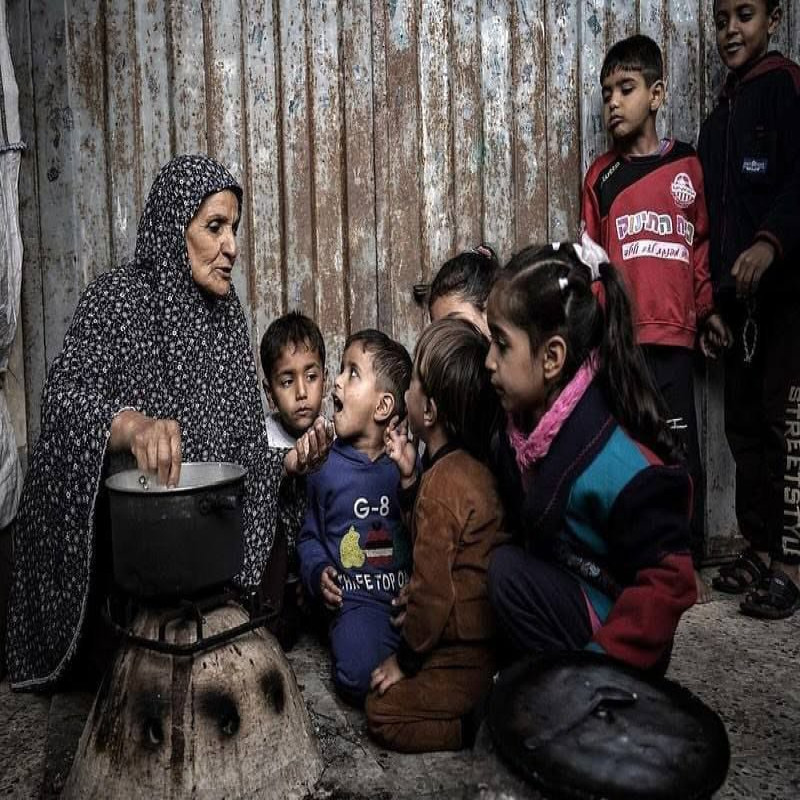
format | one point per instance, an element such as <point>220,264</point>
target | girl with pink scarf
<point>594,480</point>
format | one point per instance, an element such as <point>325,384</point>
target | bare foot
<point>704,593</point>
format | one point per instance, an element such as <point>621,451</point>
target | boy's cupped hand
<point>329,588</point>
<point>400,448</point>
<point>715,337</point>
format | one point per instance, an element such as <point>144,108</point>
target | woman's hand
<point>386,674</point>
<point>401,450</point>
<point>155,443</point>
<point>311,449</point>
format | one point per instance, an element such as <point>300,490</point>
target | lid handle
<point>603,700</point>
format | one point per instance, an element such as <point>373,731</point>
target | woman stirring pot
<point>157,363</point>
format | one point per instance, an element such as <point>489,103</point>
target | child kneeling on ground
<point>424,695</point>
<point>353,547</point>
<point>603,499</point>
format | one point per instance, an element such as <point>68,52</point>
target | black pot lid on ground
<point>580,725</point>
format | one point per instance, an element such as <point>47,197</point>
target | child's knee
<point>352,679</point>
<point>359,642</point>
<point>382,721</point>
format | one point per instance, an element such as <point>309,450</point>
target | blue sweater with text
<point>353,522</point>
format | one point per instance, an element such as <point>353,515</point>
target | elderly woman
<point>156,363</point>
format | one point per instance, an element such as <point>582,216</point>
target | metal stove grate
<point>189,611</point>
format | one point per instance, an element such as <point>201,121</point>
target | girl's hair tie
<point>591,255</point>
<point>599,291</point>
<point>483,250</point>
<point>421,291</point>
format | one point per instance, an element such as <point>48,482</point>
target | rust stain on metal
<point>359,189</point>
<point>467,128</point>
<point>530,125</point>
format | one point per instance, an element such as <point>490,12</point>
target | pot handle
<point>605,698</point>
<point>212,503</point>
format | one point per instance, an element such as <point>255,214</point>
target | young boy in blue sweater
<point>354,552</point>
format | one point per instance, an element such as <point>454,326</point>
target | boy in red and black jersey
<point>643,201</point>
<point>750,150</point>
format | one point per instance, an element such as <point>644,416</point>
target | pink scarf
<point>533,447</point>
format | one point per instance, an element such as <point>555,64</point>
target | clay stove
<point>200,702</point>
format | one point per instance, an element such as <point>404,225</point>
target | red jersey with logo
<point>649,213</point>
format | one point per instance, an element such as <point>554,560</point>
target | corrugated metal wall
<point>374,140</point>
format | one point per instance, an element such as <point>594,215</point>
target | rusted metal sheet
<point>530,124</point>
<point>498,124</point>
<point>123,130</point>
<point>298,221</point>
<point>404,203</point>
<point>792,23</point>
<point>436,136</point>
<point>380,148</point>
<point>331,302</point>
<point>62,277</point>
<point>186,51</point>
<point>563,127</point>
<point>263,187</point>
<point>466,121</point>
<point>595,42</point>
<point>682,67</point>
<point>621,20</point>
<point>153,91</point>
<point>361,201</point>
<point>85,75</point>
<point>374,140</point>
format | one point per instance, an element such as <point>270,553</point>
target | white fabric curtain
<point>11,148</point>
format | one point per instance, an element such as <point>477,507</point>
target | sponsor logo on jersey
<point>655,223</point>
<point>683,192</point>
<point>651,248</point>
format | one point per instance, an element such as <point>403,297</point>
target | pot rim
<point>129,481</point>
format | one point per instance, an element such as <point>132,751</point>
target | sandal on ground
<point>747,572</point>
<point>777,598</point>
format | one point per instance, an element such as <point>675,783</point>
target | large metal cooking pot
<point>180,540</point>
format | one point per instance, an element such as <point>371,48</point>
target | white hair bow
<point>591,254</point>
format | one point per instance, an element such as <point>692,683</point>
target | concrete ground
<point>745,669</point>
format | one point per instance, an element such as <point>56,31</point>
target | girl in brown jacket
<point>423,695</point>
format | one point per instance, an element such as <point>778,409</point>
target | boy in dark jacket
<point>750,151</point>
<point>354,551</point>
